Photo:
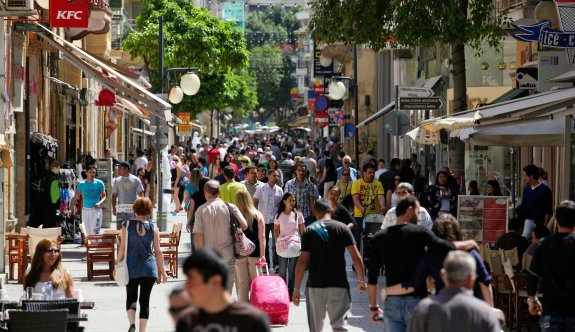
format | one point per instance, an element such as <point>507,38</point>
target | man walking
<point>93,194</point>
<point>213,308</point>
<point>231,187</point>
<point>286,166</point>
<point>346,166</point>
<point>251,180</point>
<point>398,249</point>
<point>212,226</point>
<point>405,189</point>
<point>554,265</point>
<point>323,247</point>
<point>126,189</point>
<point>267,200</point>
<point>304,191</point>
<point>537,198</point>
<point>367,197</point>
<point>455,308</point>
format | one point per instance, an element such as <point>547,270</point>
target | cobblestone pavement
<point>109,311</point>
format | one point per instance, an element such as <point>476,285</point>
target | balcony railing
<point>121,27</point>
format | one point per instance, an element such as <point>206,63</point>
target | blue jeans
<point>287,271</point>
<point>397,312</point>
<point>528,228</point>
<point>557,323</point>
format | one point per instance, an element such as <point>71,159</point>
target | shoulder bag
<point>121,274</point>
<point>243,246</point>
<point>290,246</point>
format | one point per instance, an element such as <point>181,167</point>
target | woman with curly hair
<point>47,267</point>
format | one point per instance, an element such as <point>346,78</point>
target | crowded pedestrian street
<point>287,165</point>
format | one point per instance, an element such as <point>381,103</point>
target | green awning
<point>510,95</point>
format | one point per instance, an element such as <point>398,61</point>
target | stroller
<point>70,226</point>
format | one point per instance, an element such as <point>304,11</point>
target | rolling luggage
<point>270,294</point>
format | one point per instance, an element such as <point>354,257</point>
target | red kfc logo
<point>64,14</point>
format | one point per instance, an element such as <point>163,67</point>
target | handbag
<point>121,274</point>
<point>243,246</point>
<point>289,246</point>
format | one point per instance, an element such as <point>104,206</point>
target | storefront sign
<point>542,33</point>
<point>184,128</point>
<point>65,14</point>
<point>482,218</point>
<point>349,131</point>
<point>526,78</point>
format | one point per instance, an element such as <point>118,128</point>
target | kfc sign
<point>64,14</point>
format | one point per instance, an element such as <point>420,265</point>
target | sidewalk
<point>109,311</point>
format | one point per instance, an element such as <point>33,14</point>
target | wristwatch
<point>376,307</point>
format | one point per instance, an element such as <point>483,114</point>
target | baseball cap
<point>124,164</point>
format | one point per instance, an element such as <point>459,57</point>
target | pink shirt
<point>288,224</point>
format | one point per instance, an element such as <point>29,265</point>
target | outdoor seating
<point>169,243</point>
<point>17,252</point>
<point>33,321</point>
<point>35,235</point>
<point>99,249</point>
<point>72,305</point>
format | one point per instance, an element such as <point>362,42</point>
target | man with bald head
<point>212,226</point>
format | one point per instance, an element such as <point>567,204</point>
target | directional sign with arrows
<point>414,92</point>
<point>431,103</point>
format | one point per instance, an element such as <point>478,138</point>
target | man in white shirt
<point>267,200</point>
<point>141,161</point>
<point>405,189</point>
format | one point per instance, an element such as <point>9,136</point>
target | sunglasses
<point>347,163</point>
<point>54,251</point>
<point>175,311</point>
<point>345,174</point>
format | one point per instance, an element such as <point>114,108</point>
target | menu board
<point>483,218</point>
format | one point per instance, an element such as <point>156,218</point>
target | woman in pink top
<point>288,226</point>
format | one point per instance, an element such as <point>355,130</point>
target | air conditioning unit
<point>19,4</point>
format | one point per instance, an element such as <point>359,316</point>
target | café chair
<point>100,248</point>
<point>17,252</point>
<point>169,244</point>
<point>33,321</point>
<point>72,305</point>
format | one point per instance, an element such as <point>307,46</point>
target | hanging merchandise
<point>44,195</point>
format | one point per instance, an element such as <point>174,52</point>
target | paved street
<point>109,313</point>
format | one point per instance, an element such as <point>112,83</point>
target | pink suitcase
<point>270,294</point>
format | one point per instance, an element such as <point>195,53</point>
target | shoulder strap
<point>126,245</point>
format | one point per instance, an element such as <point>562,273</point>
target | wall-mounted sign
<point>526,78</point>
<point>318,69</point>
<point>65,14</point>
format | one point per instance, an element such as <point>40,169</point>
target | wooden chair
<point>526,261</point>
<point>32,321</point>
<point>35,235</point>
<point>17,252</point>
<point>512,299</point>
<point>100,248</point>
<point>169,243</point>
<point>511,255</point>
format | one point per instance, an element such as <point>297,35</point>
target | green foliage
<point>271,26</point>
<point>195,38</point>
<point>426,23</point>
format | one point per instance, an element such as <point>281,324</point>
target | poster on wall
<point>483,218</point>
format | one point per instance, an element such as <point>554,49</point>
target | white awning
<point>565,77</point>
<point>388,108</point>
<point>132,108</point>
<point>120,84</point>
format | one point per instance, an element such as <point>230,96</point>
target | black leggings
<point>145,284</point>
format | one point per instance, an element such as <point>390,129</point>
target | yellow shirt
<point>228,191</point>
<point>368,193</point>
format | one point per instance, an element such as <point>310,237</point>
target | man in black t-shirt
<point>323,245</point>
<point>398,248</point>
<point>554,264</point>
<point>212,306</point>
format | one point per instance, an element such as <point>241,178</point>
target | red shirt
<point>212,155</point>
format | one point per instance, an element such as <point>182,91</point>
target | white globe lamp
<point>190,84</point>
<point>325,61</point>
<point>336,90</point>
<point>176,95</point>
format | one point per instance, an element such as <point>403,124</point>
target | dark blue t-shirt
<point>539,201</point>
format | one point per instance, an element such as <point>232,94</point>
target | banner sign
<point>65,14</point>
<point>482,218</point>
<point>542,33</point>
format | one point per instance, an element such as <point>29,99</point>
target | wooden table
<point>72,318</point>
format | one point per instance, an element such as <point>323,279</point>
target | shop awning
<point>134,109</point>
<point>388,108</point>
<point>565,77</point>
<point>510,95</point>
<point>299,122</point>
<point>536,120</point>
<point>107,75</point>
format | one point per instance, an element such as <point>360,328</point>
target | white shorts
<point>92,220</point>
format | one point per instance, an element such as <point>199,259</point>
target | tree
<point>194,38</point>
<point>273,70</point>
<point>426,23</point>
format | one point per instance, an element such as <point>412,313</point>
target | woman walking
<point>144,267</point>
<point>246,266</point>
<point>288,226</point>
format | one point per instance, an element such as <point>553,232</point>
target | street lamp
<point>189,84</point>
